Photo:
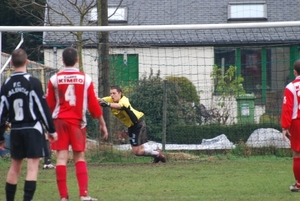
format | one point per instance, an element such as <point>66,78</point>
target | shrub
<point>269,118</point>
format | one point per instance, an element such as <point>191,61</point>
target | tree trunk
<point>103,60</point>
<point>79,49</point>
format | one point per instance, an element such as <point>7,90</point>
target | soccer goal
<point>193,82</point>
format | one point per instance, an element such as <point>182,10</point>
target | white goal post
<point>151,27</point>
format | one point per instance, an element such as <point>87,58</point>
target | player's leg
<point>295,146</point>
<point>146,150</point>
<point>12,179</point>
<point>61,173</point>
<point>17,149</point>
<point>81,172</point>
<point>137,137</point>
<point>61,146</point>
<point>78,145</point>
<point>34,141</point>
<point>296,170</point>
<point>31,178</point>
<point>139,143</point>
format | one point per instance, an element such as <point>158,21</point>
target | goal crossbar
<point>151,27</point>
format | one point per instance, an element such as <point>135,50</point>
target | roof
<point>169,12</point>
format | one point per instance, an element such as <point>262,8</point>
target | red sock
<point>82,177</point>
<point>61,179</point>
<point>296,169</point>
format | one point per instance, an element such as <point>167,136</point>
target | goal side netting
<point>196,84</point>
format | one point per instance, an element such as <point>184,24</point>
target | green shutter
<point>124,70</point>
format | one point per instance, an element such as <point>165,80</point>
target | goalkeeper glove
<point>104,103</point>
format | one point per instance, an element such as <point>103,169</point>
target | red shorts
<point>69,134</point>
<point>295,135</point>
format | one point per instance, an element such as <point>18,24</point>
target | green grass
<point>213,178</point>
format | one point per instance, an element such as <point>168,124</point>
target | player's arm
<point>286,115</point>
<point>103,128</point>
<point>122,104</point>
<point>287,109</point>
<point>44,109</point>
<point>116,106</point>
<point>50,96</point>
<point>3,128</point>
<point>107,102</point>
<point>3,118</point>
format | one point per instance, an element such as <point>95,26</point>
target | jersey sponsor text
<point>70,79</point>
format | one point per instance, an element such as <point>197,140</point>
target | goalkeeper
<point>133,119</point>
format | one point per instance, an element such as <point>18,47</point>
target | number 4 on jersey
<point>70,95</point>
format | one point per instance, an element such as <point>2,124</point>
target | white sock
<point>148,151</point>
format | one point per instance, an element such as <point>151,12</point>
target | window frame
<point>263,17</point>
<point>119,14</point>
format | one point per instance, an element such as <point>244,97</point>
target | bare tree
<point>76,13</point>
<point>103,50</point>
<point>103,64</point>
<point>59,12</point>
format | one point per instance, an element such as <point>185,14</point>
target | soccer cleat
<point>294,188</point>
<point>64,199</point>
<point>161,157</point>
<point>48,166</point>
<point>156,159</point>
<point>88,198</point>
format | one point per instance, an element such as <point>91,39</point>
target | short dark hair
<point>297,66</point>
<point>117,88</point>
<point>70,56</point>
<point>18,58</point>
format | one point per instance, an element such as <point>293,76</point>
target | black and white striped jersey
<point>23,103</point>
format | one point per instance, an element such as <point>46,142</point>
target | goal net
<point>207,87</point>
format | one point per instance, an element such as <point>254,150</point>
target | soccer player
<point>70,93</point>
<point>290,122</point>
<point>23,103</point>
<point>133,120</point>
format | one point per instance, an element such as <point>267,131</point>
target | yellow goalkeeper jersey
<point>127,114</point>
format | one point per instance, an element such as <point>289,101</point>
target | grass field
<point>213,178</point>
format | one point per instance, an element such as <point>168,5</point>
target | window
<point>225,57</point>
<point>247,11</point>
<point>115,14</point>
<point>266,71</point>
<point>251,70</point>
<point>93,14</point>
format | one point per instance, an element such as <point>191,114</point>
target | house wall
<point>194,63</point>
<point>90,64</point>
